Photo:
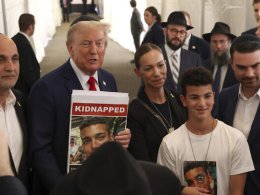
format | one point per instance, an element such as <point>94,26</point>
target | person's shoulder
<point>105,73</point>
<point>229,90</point>
<point>229,131</point>
<point>200,41</point>
<point>250,31</point>
<point>176,136</point>
<point>189,53</point>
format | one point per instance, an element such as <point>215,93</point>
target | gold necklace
<point>213,122</point>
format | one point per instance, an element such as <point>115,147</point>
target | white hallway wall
<point>47,16</point>
<point>204,13</point>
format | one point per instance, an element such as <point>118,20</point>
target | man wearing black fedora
<point>220,39</point>
<point>177,59</point>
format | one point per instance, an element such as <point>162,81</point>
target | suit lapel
<point>103,84</point>
<point>231,106</point>
<point>73,82</point>
<point>255,127</point>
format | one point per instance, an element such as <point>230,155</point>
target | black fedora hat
<point>111,170</point>
<point>177,17</point>
<point>219,28</point>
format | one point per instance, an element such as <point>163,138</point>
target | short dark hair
<point>143,49</point>
<point>25,20</point>
<point>154,12</point>
<point>133,3</point>
<point>256,1</point>
<point>192,165</point>
<point>245,44</point>
<point>94,121</point>
<point>196,77</point>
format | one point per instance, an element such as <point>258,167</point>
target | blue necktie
<point>216,84</point>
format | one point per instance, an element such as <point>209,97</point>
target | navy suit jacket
<point>155,35</point>
<point>29,66</point>
<point>199,46</point>
<point>250,31</point>
<point>228,99</point>
<point>188,60</point>
<point>49,113</point>
<point>19,106</point>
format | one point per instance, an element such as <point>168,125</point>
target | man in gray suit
<point>177,59</point>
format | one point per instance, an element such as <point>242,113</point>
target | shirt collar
<point>171,52</point>
<point>24,34</point>
<point>11,99</point>
<point>83,78</point>
<point>242,96</point>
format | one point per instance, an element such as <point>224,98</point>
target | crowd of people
<point>192,129</point>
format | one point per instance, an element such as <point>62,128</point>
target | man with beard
<point>177,59</point>
<point>220,40</point>
<point>239,104</point>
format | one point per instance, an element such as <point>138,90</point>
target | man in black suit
<point>177,59</point>
<point>256,7</point>
<point>239,105</point>
<point>136,24</point>
<point>220,39</point>
<point>50,101</point>
<point>194,43</point>
<point>29,66</point>
<point>12,119</point>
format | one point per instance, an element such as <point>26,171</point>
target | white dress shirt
<point>10,123</point>
<point>246,111</point>
<point>83,78</point>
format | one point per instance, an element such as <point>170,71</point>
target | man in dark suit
<point>195,44</point>
<point>29,66</point>
<point>239,105</point>
<point>12,109</point>
<point>136,24</point>
<point>256,7</point>
<point>177,59</point>
<point>220,39</point>
<point>50,99</point>
<point>65,6</point>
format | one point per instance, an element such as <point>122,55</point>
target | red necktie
<point>92,83</point>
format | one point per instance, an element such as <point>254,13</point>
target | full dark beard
<point>222,59</point>
<point>173,46</point>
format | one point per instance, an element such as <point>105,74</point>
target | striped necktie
<point>175,69</point>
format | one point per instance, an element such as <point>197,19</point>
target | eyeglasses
<point>175,32</point>
<point>199,179</point>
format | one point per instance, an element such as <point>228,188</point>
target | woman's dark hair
<point>154,12</point>
<point>143,49</point>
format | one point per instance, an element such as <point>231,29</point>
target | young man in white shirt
<point>204,139</point>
